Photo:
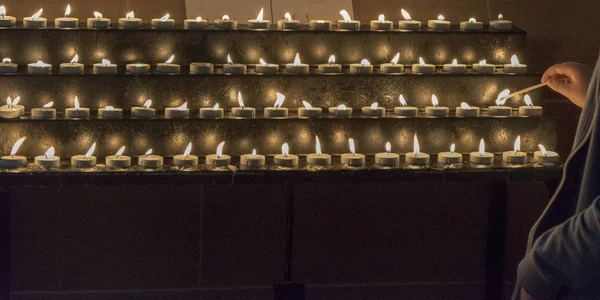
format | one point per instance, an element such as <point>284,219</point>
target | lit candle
<point>45,112</point>
<point>149,160</point>
<point>330,66</point>
<point>196,23</point>
<point>14,161</point>
<point>85,161</point>
<point>465,110</point>
<point>201,68</point>
<point>387,158</point>
<point>530,109</point>
<point>545,156</point>
<point>499,109</point>
<point>481,157</point>
<point>308,111</point>
<point>6,21</point>
<point>500,24</point>
<point>226,23</point>
<point>347,23</point>
<point>77,112</point>
<point>435,110</point>
<point>219,159</point>
<point>516,156</point>
<point>439,24</point>
<point>382,24</point>
<point>66,21</point>
<point>450,157</point>
<point>472,24</point>
<point>242,111</point>
<point>180,112</point>
<point>423,68</point>
<point>393,67</point>
<point>364,67</point>
<point>297,67</point>
<point>168,67</point>
<point>515,67</point>
<point>7,66</point>
<point>404,110</point>
<point>118,160</point>
<point>252,160</point>
<point>320,25</point>
<point>352,158</point>
<point>48,160</point>
<point>340,111</point>
<point>109,112</point>
<point>144,111</point>
<point>186,159</point>
<point>484,68</point>
<point>98,21</point>
<point>11,110</point>
<point>211,112</point>
<point>288,23</point>
<point>39,67</point>
<point>265,68</point>
<point>130,21</point>
<point>408,23</point>
<point>137,68</point>
<point>105,67</point>
<point>277,111</point>
<point>373,111</point>
<point>163,22</point>
<point>35,21</point>
<point>74,67</point>
<point>455,68</point>
<point>285,159</point>
<point>417,158</point>
<point>231,68</point>
<point>318,158</point>
<point>259,23</point>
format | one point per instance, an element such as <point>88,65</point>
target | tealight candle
<point>226,23</point>
<point>530,109</point>
<point>7,66</point>
<point>242,111</point>
<point>515,67</point>
<point>435,110</point>
<point>416,158</point>
<point>285,159</point>
<point>500,24</point>
<point>544,156</point>
<point>196,23</point>
<point>137,68</point>
<point>231,68</point>
<point>163,22</point>
<point>516,156</point>
<point>14,161</point>
<point>288,23</point>
<point>252,160</point>
<point>212,112</point>
<point>219,159</point>
<point>465,110</point>
<point>387,158</point>
<point>481,157</point>
<point>484,68</point>
<point>347,23</point>
<point>98,21</point>
<point>423,68</point>
<point>84,161</point>
<point>145,111</point>
<point>340,111</point>
<point>408,23</point>
<point>180,112</point>
<point>259,23</point>
<point>382,24</point>
<point>105,68</point>
<point>352,159</point>
<point>439,24</point>
<point>35,21</point>
<point>48,160</point>
<point>297,67</point>
<point>455,68</point>
<point>320,25</point>
<point>450,157</point>
<point>186,159</point>
<point>393,67</point>
<point>168,67</point>
<point>39,67</point>
<point>365,67</point>
<point>201,68</point>
<point>150,161</point>
<point>130,21</point>
<point>6,21</point>
<point>45,112</point>
<point>276,111</point>
<point>11,110</point>
<point>308,111</point>
<point>265,68</point>
<point>118,160</point>
<point>373,111</point>
<point>404,110</point>
<point>318,158</point>
<point>74,67</point>
<point>472,24</point>
<point>77,112</point>
<point>499,109</point>
<point>330,66</point>
<point>109,112</point>
<point>66,21</point>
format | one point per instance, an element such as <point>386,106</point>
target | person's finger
<point>561,87</point>
<point>550,73</point>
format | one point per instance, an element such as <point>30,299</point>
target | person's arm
<point>570,79</point>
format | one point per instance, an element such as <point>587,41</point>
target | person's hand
<point>525,296</point>
<point>570,79</point>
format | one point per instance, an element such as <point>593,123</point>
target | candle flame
<point>97,15</point>
<point>240,100</point>
<point>297,61</point>
<point>48,105</point>
<point>528,100</point>
<point>183,106</point>
<point>351,145</point>
<point>90,151</point>
<point>421,61</point>
<point>500,17</point>
<point>105,62</point>
<point>259,18</point>
<point>543,149</point>
<point>76,103</point>
<point>417,150</point>
<point>452,148</point>
<point>187,151</point>
<point>16,100</point>
<point>16,146</point>
<point>502,97</point>
<point>120,152</point>
<point>225,18</point>
<point>164,18</point>
<point>455,63</point>
<point>130,15</point>
<point>285,149</point>
<point>517,146</point>
<point>396,58</point>
<point>331,59</point>
<point>345,15</point>
<point>405,15</point>
<point>198,19</point>
<point>220,150</point>
<point>216,107</point>
<point>37,14</point>
<point>307,105</point>
<point>148,152</point>
<point>68,10</point>
<point>2,11</point>
<point>147,104</point>
<point>514,60</point>
<point>483,62</point>
<point>481,147</point>
<point>317,145</point>
<point>465,105</point>
<point>49,153</point>
<point>279,101</point>
<point>365,62</point>
<point>8,102</point>
<point>229,61</point>
<point>381,18</point>
<point>402,101</point>
<point>472,21</point>
<point>253,151</point>
<point>341,107</point>
<point>374,105</point>
<point>109,107</point>
<point>441,18</point>
<point>170,60</point>
<point>434,100</point>
<point>75,59</point>
<point>6,60</point>
<point>388,147</point>
<point>262,62</point>
<point>288,17</point>
<point>39,63</point>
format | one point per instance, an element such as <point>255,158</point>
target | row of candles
<point>225,22</point>
<point>13,109</point>
<point>297,67</point>
<point>285,159</point>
